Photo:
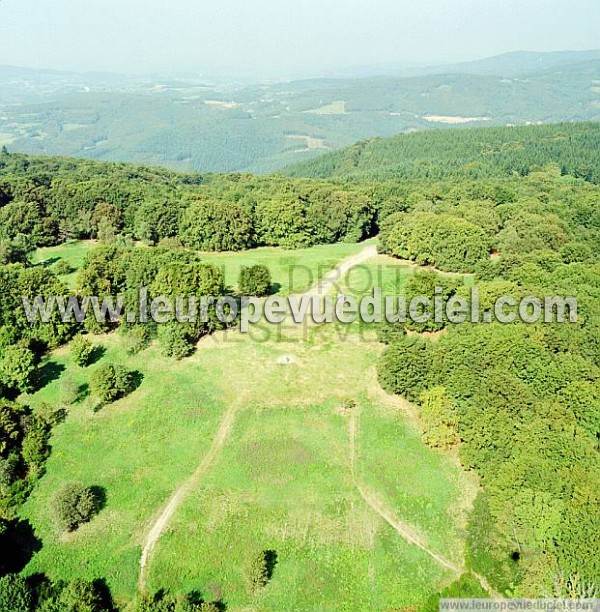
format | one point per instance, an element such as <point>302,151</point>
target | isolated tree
<point>111,382</point>
<point>62,268</point>
<point>255,281</point>
<point>258,571</point>
<point>74,505</point>
<point>82,351</point>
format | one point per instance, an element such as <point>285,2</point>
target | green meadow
<point>292,270</point>
<point>283,479</point>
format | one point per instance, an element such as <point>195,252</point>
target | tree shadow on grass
<point>49,262</point>
<point>271,561</point>
<point>47,373</point>
<point>82,392</point>
<point>43,587</point>
<point>99,494</point>
<point>19,544</point>
<point>137,378</point>
<point>103,590</point>
<point>196,598</point>
<point>97,353</point>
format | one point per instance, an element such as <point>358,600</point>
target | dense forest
<point>476,153</point>
<point>50,200</point>
<point>518,208</point>
<point>520,401</point>
<point>189,125</point>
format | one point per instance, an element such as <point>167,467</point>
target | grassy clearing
<point>283,483</point>
<point>282,480</point>
<point>292,270</point>
<point>73,252</point>
<point>335,108</point>
<point>424,489</point>
<point>136,449</point>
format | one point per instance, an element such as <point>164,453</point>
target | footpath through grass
<point>282,481</point>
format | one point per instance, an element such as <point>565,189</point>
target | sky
<point>276,38</point>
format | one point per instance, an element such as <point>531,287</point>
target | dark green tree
<point>255,281</point>
<point>73,505</point>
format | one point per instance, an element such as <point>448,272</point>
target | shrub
<point>138,338</point>
<point>74,505</point>
<point>82,351</point>
<point>174,341</point>
<point>111,382</point>
<point>62,268</point>
<point>15,594</point>
<point>260,569</point>
<point>255,281</point>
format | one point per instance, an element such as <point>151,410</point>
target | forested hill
<point>189,125</point>
<point>474,153</point>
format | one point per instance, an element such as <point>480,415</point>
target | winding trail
<point>404,530</point>
<point>330,280</point>
<point>162,521</point>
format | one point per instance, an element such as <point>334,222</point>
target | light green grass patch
<point>73,252</point>
<point>335,108</point>
<point>292,270</point>
<point>284,483</point>
<point>282,480</point>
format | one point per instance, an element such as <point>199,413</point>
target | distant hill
<point>187,124</point>
<point>518,63</point>
<point>474,153</point>
<point>512,64</point>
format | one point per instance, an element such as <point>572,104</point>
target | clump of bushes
<point>82,351</point>
<point>111,382</point>
<point>62,268</point>
<point>74,505</point>
<point>255,281</point>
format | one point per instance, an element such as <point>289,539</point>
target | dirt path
<point>404,530</point>
<point>160,524</point>
<point>162,521</point>
<point>331,279</point>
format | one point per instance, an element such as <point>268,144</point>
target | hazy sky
<point>277,37</point>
